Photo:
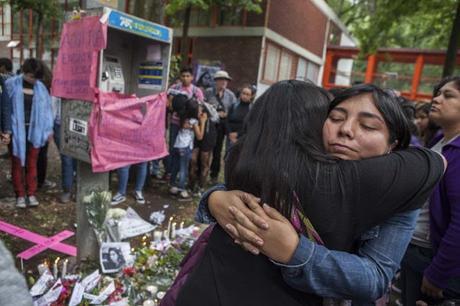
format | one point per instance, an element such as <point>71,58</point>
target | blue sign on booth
<point>138,26</point>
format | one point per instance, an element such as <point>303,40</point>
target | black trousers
<point>217,152</point>
<point>42,164</point>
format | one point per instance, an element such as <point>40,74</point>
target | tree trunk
<point>38,32</point>
<point>454,40</point>
<point>157,11</point>
<point>184,48</point>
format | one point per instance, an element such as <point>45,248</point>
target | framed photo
<point>114,256</point>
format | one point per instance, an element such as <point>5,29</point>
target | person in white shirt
<point>181,154</point>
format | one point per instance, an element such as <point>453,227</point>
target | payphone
<point>112,78</point>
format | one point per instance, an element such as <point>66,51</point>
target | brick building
<point>287,40</point>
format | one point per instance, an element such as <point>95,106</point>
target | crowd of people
<point>201,122</point>
<point>353,193</point>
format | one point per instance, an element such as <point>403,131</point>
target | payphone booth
<point>135,61</point>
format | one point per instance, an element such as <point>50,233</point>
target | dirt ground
<point>51,217</point>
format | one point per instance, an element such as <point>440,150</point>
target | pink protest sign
<point>126,130</point>
<point>77,63</point>
<point>43,242</point>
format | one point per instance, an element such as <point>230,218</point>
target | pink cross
<point>42,242</point>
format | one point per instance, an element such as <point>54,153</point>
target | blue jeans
<point>180,163</point>
<point>155,167</point>
<point>68,164</point>
<point>173,131</point>
<point>123,175</point>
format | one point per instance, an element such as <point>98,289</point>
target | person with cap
<point>222,99</point>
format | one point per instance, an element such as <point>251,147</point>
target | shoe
<point>33,201</point>
<point>139,197</point>
<point>48,184</point>
<point>184,196</point>
<point>65,197</point>
<point>117,199</point>
<point>21,202</point>
<point>174,190</point>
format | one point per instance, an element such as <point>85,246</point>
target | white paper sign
<point>77,294</point>
<point>91,281</point>
<point>51,296</point>
<point>104,294</point>
<point>133,225</point>
<point>78,126</point>
<point>42,284</point>
<point>122,302</point>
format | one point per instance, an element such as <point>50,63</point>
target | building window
<point>285,71</point>
<point>279,64</point>
<point>272,60</point>
<point>307,70</point>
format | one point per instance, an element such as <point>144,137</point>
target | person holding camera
<point>222,99</point>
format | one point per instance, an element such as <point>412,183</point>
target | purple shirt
<point>445,220</point>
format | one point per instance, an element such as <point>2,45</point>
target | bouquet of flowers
<point>97,203</point>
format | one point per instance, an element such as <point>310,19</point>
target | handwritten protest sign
<point>126,130</point>
<point>76,67</point>
<point>42,242</point>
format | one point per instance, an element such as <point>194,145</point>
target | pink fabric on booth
<point>126,130</point>
<point>76,68</point>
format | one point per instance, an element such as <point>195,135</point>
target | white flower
<point>152,289</point>
<point>107,196</point>
<point>115,213</point>
<point>89,198</point>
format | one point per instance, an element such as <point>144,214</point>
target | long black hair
<point>276,159</point>
<point>388,105</point>
<point>432,129</point>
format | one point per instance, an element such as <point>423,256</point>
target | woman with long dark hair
<point>282,160</point>
<point>426,128</point>
<point>431,266</point>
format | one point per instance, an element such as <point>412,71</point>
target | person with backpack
<point>184,87</point>
<point>222,99</point>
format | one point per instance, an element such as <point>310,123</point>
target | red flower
<point>129,271</point>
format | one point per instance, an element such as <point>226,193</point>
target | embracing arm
<point>203,215</point>
<point>366,276</point>
<point>394,183</point>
